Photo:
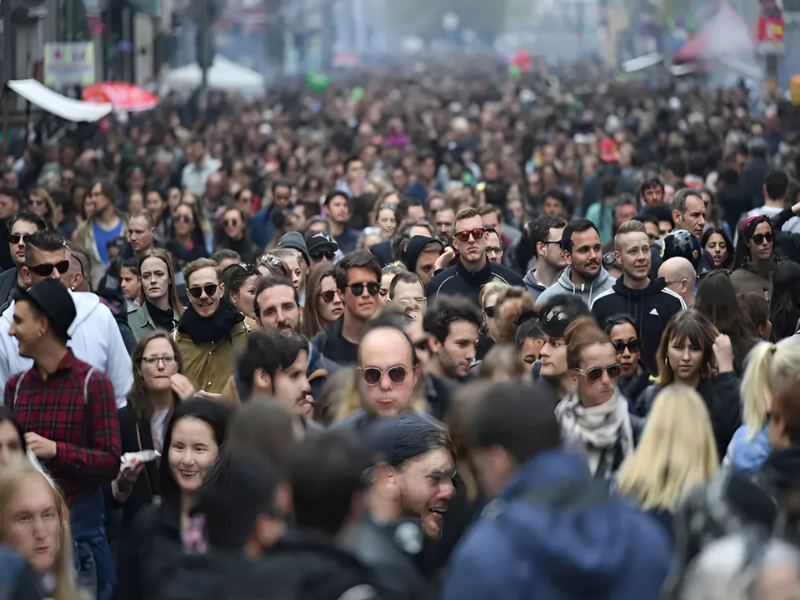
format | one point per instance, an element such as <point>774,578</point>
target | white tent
<point>224,75</point>
<point>61,106</point>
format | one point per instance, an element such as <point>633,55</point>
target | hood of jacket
<point>590,290</point>
<point>530,282</point>
<point>584,553</point>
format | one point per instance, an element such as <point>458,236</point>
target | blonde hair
<point>493,287</point>
<point>769,368</point>
<point>676,453</point>
<point>11,479</point>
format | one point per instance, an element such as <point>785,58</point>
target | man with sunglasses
<point>10,200</point>
<point>20,227</point>
<point>358,277</point>
<point>648,301</point>
<point>94,335</point>
<point>211,329</point>
<point>473,269</point>
<point>545,236</point>
<point>321,247</point>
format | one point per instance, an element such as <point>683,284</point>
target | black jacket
<point>651,310</point>
<point>383,252</point>
<point>8,283</point>
<point>721,397</point>
<point>302,566</point>
<point>333,346</point>
<point>457,281</point>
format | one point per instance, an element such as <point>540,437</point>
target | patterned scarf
<point>604,430</point>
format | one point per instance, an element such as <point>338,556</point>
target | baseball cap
<point>52,298</point>
<point>295,241</point>
<point>321,241</point>
<point>608,150</point>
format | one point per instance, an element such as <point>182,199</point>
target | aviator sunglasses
<point>595,374</point>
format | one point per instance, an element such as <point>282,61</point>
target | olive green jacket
<point>141,323</point>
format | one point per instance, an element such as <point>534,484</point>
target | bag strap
<point>16,390</point>
<point>147,475</point>
<point>86,407</point>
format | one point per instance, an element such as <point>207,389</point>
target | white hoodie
<point>94,338</point>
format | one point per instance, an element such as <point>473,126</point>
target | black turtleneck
<point>162,319</point>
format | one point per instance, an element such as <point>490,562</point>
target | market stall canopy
<point>725,35</point>
<point>122,95</point>
<point>61,106</point>
<point>224,75</point>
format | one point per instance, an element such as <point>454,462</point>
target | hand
<point>182,386</point>
<point>445,259</point>
<point>40,446</point>
<point>796,208</point>
<point>723,350</point>
<point>127,478</point>
<point>212,397</point>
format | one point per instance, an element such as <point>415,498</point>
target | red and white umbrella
<point>123,96</point>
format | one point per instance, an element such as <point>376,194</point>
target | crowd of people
<point>462,336</point>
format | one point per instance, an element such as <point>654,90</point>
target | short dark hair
<point>539,230</point>
<point>42,241</point>
<point>518,418</point>
<point>360,259</point>
<point>281,183</point>
<point>416,437</point>
<point>776,183</point>
<point>447,310</point>
<point>404,277</point>
<point>326,470</point>
<point>333,194</point>
<point>271,282</point>
<point>26,216</point>
<point>649,184</point>
<point>647,217</point>
<point>661,213</point>
<point>223,254</point>
<point>681,197</point>
<point>401,212</point>
<point>12,193</point>
<point>575,226</point>
<point>558,194</point>
<point>615,320</point>
<point>677,165</point>
<point>270,351</point>
<point>496,193</point>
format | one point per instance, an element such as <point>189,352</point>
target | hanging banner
<point>770,27</point>
<point>70,63</point>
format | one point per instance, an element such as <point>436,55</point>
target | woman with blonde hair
<point>41,202</point>
<point>490,312</point>
<point>42,538</point>
<point>677,452</point>
<point>770,367</point>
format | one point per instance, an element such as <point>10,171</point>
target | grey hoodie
<point>587,291</point>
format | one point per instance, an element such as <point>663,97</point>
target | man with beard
<point>584,276</point>
<point>472,270</point>
<point>445,222</point>
<point>210,330</point>
<point>545,236</point>
<point>358,279</point>
<point>277,308</point>
<point>648,301</point>
<point>651,192</point>
<point>338,211</point>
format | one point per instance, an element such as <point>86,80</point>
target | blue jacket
<point>610,550</point>
<point>748,456</point>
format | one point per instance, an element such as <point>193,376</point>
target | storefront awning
<point>61,106</point>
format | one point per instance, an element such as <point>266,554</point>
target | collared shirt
<point>194,176</point>
<point>75,408</point>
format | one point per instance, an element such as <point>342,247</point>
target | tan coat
<point>210,366</point>
<point>746,279</point>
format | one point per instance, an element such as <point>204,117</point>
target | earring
<point>666,361</point>
<point>40,334</point>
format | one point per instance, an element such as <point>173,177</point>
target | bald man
<point>680,277</point>
<point>387,374</point>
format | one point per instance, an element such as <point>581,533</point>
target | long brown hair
<point>139,396</point>
<point>700,332</point>
<point>313,322</point>
<point>161,255</point>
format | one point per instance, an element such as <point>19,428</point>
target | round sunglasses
<point>595,374</point>
<point>373,375</point>
<point>327,297</point>
<point>357,289</point>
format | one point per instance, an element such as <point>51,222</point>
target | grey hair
<point>679,202</point>
<point>726,569</point>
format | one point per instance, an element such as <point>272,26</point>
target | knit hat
<point>52,298</point>
<point>295,241</point>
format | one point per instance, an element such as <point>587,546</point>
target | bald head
<point>680,277</point>
<point>386,339</point>
<point>385,394</point>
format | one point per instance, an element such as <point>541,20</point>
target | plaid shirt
<point>88,453</point>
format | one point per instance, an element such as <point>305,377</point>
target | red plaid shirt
<point>55,408</point>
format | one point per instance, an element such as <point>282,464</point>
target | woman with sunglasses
<point>235,235</point>
<point>241,282</point>
<point>42,204</point>
<point>158,387</point>
<point>693,353</point>
<point>323,303</point>
<point>717,243</point>
<point>594,412</point>
<point>755,258</point>
<point>632,379</point>
<point>161,308</point>
<point>186,241</point>
<point>555,318</point>
<point>490,311</point>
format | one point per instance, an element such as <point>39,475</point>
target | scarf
<point>215,328</point>
<point>162,319</point>
<point>605,431</point>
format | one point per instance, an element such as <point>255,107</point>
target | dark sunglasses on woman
<point>198,290</point>
<point>327,297</point>
<point>759,238</point>
<point>373,375</point>
<point>595,374</point>
<point>46,269</point>
<point>373,287</point>
<point>633,346</point>
<point>184,218</point>
<point>463,236</point>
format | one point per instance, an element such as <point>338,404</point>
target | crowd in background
<point>457,335</point>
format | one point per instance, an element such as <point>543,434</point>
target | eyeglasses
<point>152,361</point>
<point>46,269</point>
<point>198,290</point>
<point>322,254</point>
<point>493,251</point>
<point>633,346</point>
<point>327,297</point>
<point>595,374</point>
<point>489,310</point>
<point>14,238</point>
<point>231,223</point>
<point>373,287</point>
<point>184,218</point>
<point>477,234</point>
<point>36,202</point>
<point>760,237</point>
<point>373,375</point>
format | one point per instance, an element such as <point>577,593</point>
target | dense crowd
<point>456,335</point>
